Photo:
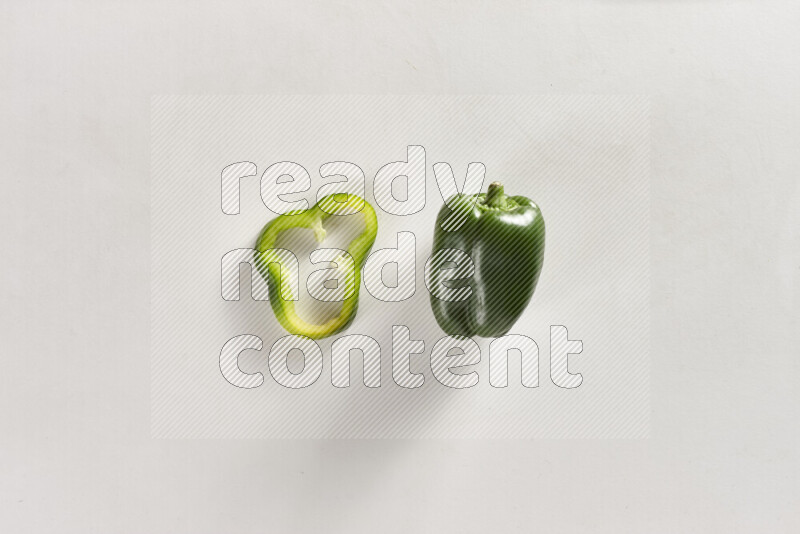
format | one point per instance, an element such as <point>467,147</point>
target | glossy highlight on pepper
<point>504,236</point>
<point>277,275</point>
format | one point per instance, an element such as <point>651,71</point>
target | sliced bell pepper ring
<point>272,264</point>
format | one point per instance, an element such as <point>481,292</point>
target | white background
<point>583,160</point>
<point>75,447</point>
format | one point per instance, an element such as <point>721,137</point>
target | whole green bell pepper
<point>275,271</point>
<point>504,236</point>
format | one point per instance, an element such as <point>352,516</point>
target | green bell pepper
<point>504,236</point>
<point>273,268</point>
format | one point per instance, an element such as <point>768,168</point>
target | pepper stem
<point>495,196</point>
